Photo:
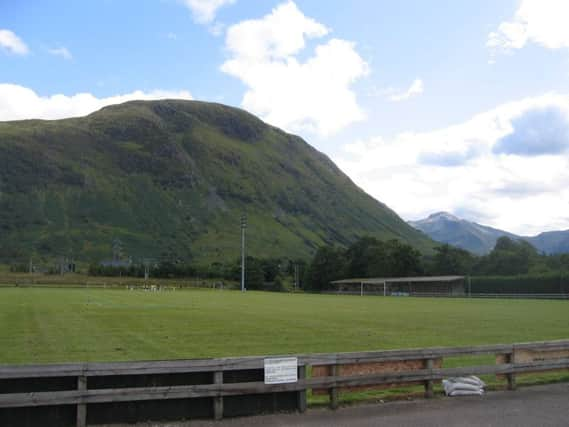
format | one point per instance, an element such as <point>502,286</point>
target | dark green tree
<point>328,264</point>
<point>271,268</point>
<point>452,260</point>
<point>370,257</point>
<point>254,275</point>
<point>509,257</point>
<point>402,260</point>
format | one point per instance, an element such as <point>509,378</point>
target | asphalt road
<point>532,406</point>
<point>535,406</point>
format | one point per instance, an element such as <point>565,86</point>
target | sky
<point>445,105</point>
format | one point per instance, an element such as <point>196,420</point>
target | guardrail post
<point>302,393</point>
<point>81,407</point>
<point>333,391</point>
<point>218,400</point>
<point>511,377</point>
<point>429,392</point>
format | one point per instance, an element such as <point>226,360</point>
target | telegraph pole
<point>243,227</point>
<point>146,263</point>
<point>295,276</point>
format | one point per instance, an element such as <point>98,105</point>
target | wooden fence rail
<point>381,368</point>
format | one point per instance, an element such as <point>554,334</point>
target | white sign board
<point>280,370</point>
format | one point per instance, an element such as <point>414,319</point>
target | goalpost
<point>383,284</point>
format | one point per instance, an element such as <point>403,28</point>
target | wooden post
<point>81,407</point>
<point>511,377</point>
<point>429,383</point>
<point>333,391</point>
<point>218,401</point>
<point>302,393</point>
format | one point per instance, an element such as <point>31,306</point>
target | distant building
<point>403,286</point>
<point>117,260</point>
<point>116,263</point>
<point>65,265</point>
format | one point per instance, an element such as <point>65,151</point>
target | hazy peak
<point>442,215</point>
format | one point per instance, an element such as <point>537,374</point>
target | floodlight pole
<point>243,227</point>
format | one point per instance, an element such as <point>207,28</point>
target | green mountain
<point>173,177</point>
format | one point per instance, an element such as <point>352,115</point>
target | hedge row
<point>526,284</point>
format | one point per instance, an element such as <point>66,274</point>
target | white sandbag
<point>463,386</point>
<point>473,380</point>
<point>467,393</point>
<point>467,380</point>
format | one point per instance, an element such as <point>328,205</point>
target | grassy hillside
<point>174,177</point>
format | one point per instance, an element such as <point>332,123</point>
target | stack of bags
<point>464,386</point>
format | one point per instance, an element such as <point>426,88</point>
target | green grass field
<point>61,325</point>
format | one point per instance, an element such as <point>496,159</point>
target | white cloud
<point>312,95</point>
<point>539,21</point>
<point>278,35</point>
<point>462,168</point>
<point>12,43</point>
<point>204,11</point>
<point>62,52</point>
<point>18,102</point>
<point>415,89</point>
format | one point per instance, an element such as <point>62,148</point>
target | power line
<point>243,227</point>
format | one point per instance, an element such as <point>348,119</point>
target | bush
<point>524,284</point>
<point>19,268</point>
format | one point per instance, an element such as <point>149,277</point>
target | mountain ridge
<point>172,178</point>
<point>480,239</point>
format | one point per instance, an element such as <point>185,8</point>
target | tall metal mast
<point>243,227</point>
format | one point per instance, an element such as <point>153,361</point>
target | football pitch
<point>72,325</point>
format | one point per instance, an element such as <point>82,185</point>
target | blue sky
<point>428,106</point>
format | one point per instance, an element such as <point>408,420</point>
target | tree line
<point>509,257</point>
<point>260,273</point>
<point>367,257</point>
<point>371,257</point>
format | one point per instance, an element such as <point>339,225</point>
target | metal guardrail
<point>552,355</point>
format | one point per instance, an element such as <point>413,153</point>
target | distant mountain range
<point>480,239</point>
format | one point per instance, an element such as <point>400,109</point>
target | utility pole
<point>146,263</point>
<point>243,227</point>
<point>295,284</point>
<point>560,275</point>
